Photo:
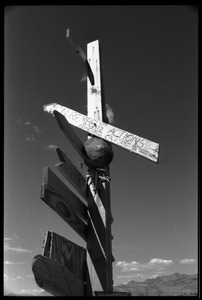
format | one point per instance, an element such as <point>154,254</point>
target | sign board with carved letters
<point>119,137</point>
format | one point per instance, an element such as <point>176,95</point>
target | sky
<point>150,72</point>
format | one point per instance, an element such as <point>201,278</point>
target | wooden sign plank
<point>119,137</point>
<point>96,254</point>
<point>69,254</point>
<point>94,103</point>
<point>71,135</point>
<point>55,278</point>
<point>82,185</point>
<point>81,54</point>
<point>47,245</point>
<point>59,188</point>
<point>71,173</point>
<point>60,206</point>
<point>96,208</point>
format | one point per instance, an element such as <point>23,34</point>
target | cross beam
<point>112,134</point>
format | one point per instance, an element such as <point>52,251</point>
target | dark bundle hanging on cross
<point>99,152</point>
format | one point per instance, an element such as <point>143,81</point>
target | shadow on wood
<point>61,207</point>
<point>69,254</point>
<point>55,278</point>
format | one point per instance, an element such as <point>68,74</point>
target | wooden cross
<point>92,221</point>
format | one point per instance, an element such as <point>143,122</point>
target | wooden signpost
<point>64,268</point>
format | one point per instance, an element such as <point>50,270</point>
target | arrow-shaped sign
<point>119,137</point>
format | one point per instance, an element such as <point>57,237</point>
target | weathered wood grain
<point>96,111</point>
<point>69,254</point>
<point>61,207</point>
<point>61,189</point>
<point>55,278</point>
<point>94,103</point>
<point>71,173</point>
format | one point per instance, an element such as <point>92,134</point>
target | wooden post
<point>96,110</point>
<point>106,187</point>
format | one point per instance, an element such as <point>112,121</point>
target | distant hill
<point>170,285</point>
<point>44,293</point>
<point>17,295</point>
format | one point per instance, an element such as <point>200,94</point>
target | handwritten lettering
<point>108,132</point>
<point>74,116</point>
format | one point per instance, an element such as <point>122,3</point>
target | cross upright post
<point>96,110</point>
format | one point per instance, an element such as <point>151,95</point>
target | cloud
<point>14,236</point>
<point>109,114</point>
<point>125,276</point>
<point>51,147</point>
<point>7,239</point>
<point>6,277</point>
<point>154,263</point>
<point>27,123</point>
<point>160,261</point>
<point>187,261</point>
<point>36,129</point>
<point>29,276</point>
<point>120,263</point>
<point>13,263</point>
<point>141,271</point>
<point>7,248</point>
<point>30,138</point>
<point>130,266</point>
<point>33,130</point>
